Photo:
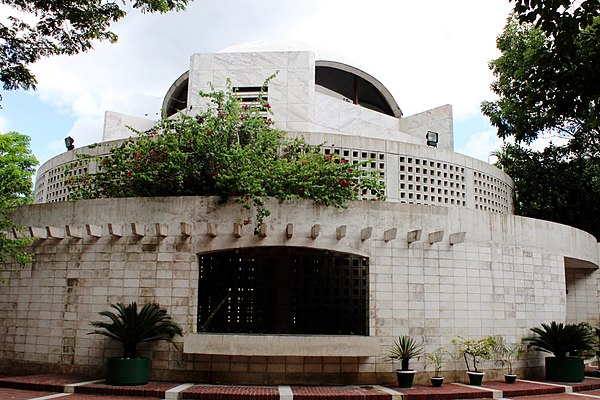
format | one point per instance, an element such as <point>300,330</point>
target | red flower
<point>350,170</point>
<point>344,161</point>
<point>246,107</point>
<point>130,173</point>
<point>242,117</point>
<point>267,105</point>
<point>137,155</point>
<point>344,182</point>
<point>209,132</point>
<point>215,173</point>
<point>246,221</point>
<point>153,153</point>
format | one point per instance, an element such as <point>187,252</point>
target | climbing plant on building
<point>17,166</point>
<point>230,149</point>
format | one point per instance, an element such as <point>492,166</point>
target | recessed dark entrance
<point>283,290</point>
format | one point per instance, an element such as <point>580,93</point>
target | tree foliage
<point>131,327</point>
<point>560,339</point>
<point>60,27</point>
<point>546,88</point>
<point>555,185</point>
<point>17,166</point>
<point>548,83</point>
<point>230,150</point>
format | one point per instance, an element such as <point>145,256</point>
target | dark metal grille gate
<point>283,290</point>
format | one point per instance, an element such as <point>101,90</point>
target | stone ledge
<point>281,345</point>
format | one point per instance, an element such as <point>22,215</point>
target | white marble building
<point>324,291</point>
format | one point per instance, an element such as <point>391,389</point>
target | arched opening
<point>283,290</point>
<point>176,98</point>
<point>356,86</point>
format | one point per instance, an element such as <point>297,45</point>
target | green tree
<point>554,185</point>
<point>544,90</point>
<point>230,150</point>
<point>17,166</point>
<point>60,27</point>
<point>548,83</point>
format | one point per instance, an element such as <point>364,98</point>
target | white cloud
<point>85,131</point>
<point>427,53</point>
<point>480,145</point>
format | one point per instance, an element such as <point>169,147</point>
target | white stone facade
<point>505,275</point>
<point>446,256</point>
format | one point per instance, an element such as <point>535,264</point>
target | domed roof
<point>332,71</point>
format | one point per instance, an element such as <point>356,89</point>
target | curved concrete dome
<point>356,85</point>
<point>339,76</point>
<point>176,97</point>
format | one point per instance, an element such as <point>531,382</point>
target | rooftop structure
<point>319,294</point>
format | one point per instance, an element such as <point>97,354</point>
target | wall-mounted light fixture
<point>69,142</point>
<point>432,138</point>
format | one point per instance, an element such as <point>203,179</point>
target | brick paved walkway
<point>53,387</point>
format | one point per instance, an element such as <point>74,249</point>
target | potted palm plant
<point>404,349</point>
<point>565,342</point>
<point>476,351</point>
<point>131,328</point>
<point>507,354</point>
<point>436,358</point>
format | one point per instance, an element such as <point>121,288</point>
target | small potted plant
<point>436,358</point>
<point>404,349</point>
<point>565,342</point>
<point>476,351</point>
<point>507,354</point>
<point>131,328</point>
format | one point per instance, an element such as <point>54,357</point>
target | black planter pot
<point>568,369</point>
<point>405,378</point>
<point>510,378</point>
<point>475,378</point>
<point>127,371</point>
<point>437,381</point>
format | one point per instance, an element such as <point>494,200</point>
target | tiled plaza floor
<point>51,387</point>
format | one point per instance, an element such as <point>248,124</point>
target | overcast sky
<point>427,53</point>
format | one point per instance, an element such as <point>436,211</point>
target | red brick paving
<point>218,392</point>
<point>338,392</point>
<point>447,391</point>
<point>45,382</point>
<point>520,388</point>
<point>33,386</point>
<point>556,396</point>
<point>95,397</point>
<point>587,384</point>
<point>20,394</point>
<point>152,389</point>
